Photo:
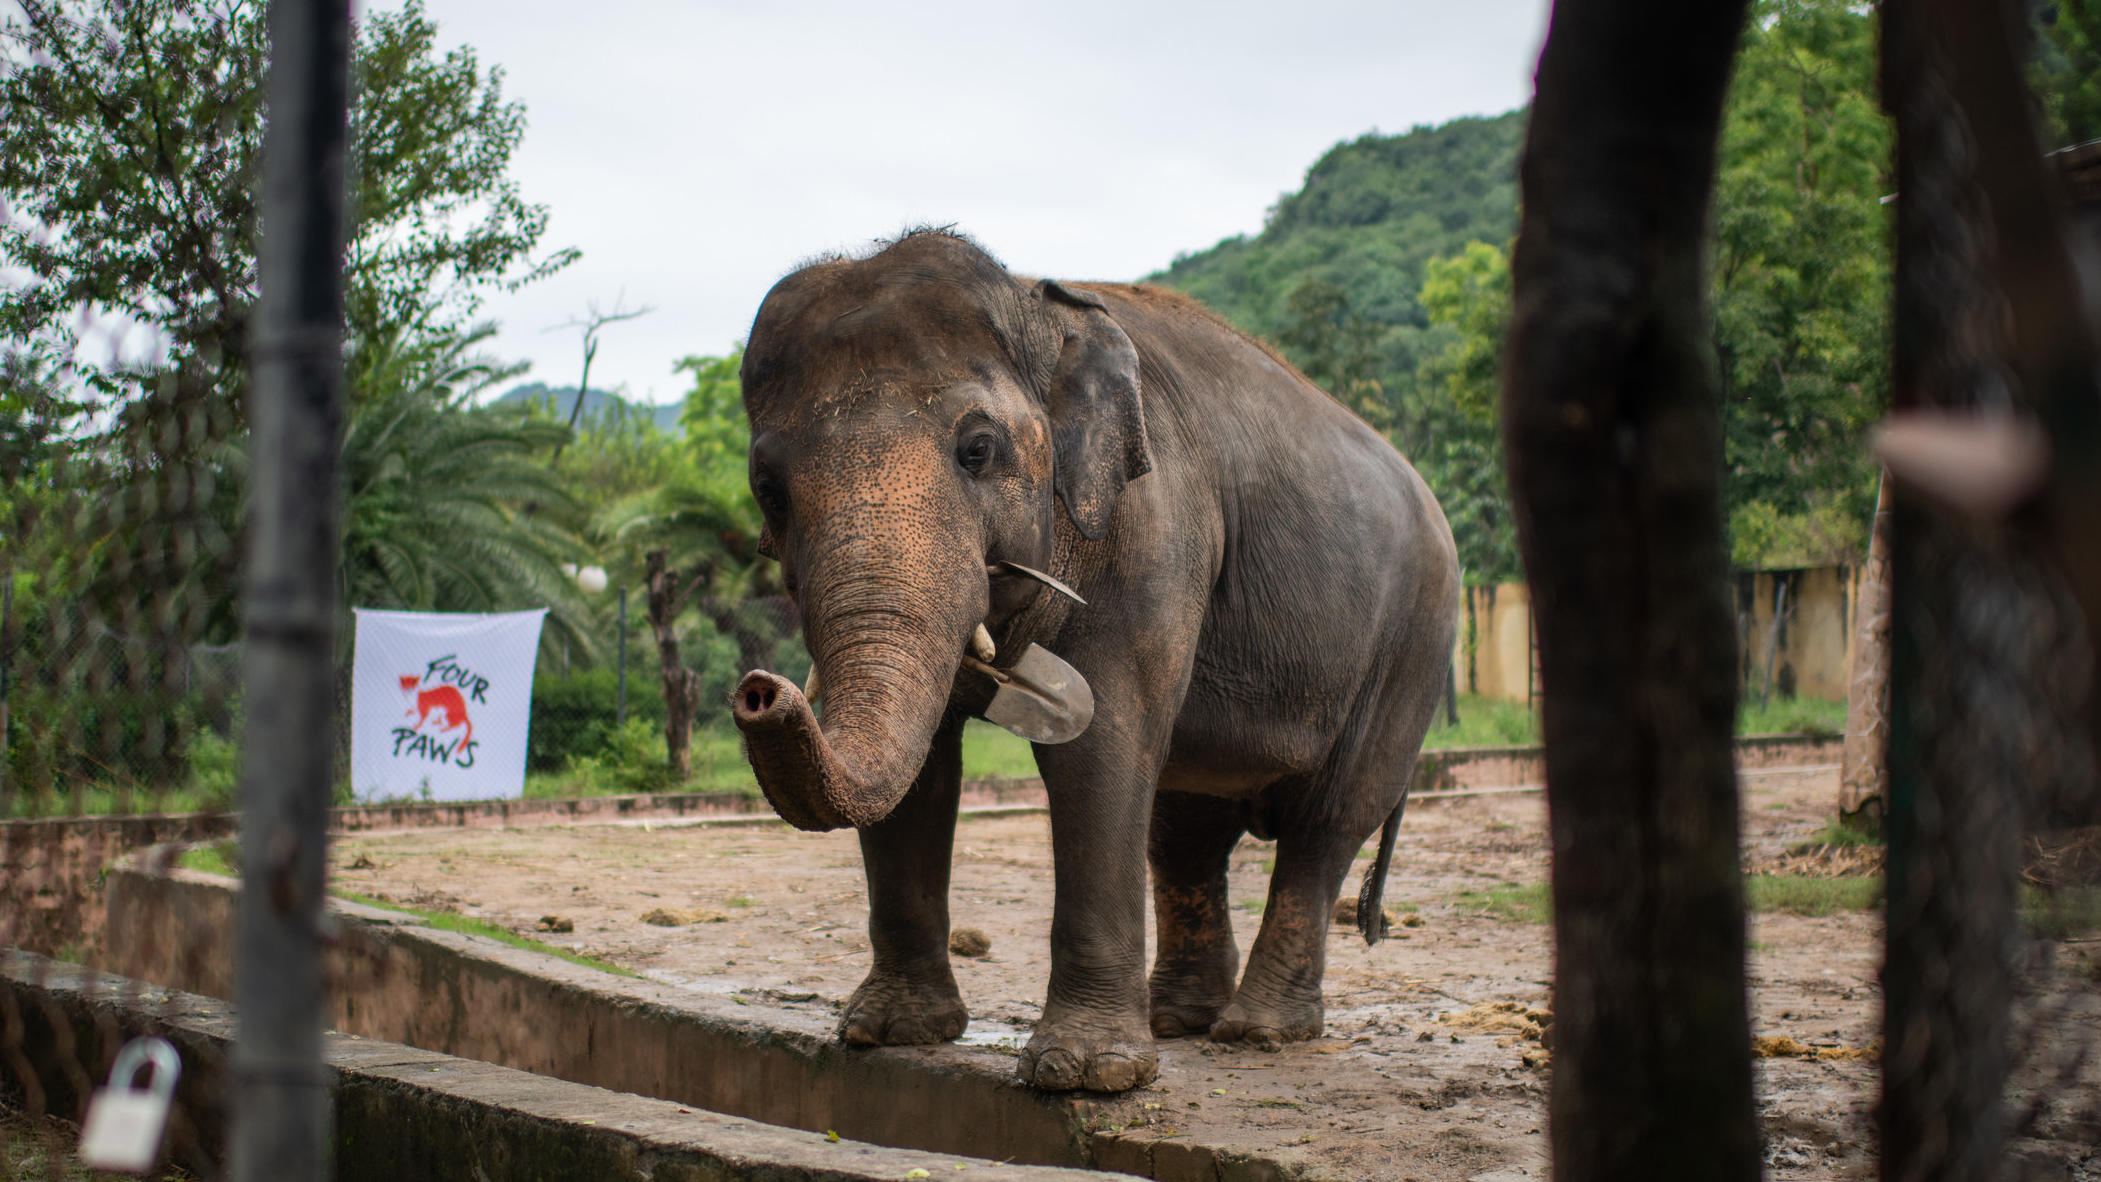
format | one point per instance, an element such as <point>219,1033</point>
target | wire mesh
<point>119,675</point>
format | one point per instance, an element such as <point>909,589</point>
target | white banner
<point>440,704</point>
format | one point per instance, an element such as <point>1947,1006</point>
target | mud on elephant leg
<point>1193,972</point>
<point>1094,1033</point>
<point>1279,998</point>
<point>910,994</point>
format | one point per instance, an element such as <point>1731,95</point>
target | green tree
<point>695,541</point>
<point>1801,282</point>
<point>129,144</point>
<point>1450,427</point>
<point>130,136</point>
<point>2067,70</point>
<point>449,507</point>
<point>130,141</point>
<point>1336,347</point>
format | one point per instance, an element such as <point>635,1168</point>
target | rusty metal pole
<point>281,1104</point>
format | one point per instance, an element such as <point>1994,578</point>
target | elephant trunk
<point>886,686</point>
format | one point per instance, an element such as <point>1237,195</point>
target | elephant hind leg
<point>1279,996</point>
<point>1194,968</point>
<point>1318,836</point>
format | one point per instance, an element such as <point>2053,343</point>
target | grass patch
<point>1803,895</point>
<point>719,765</point>
<point>989,752</point>
<point>453,921</point>
<point>2061,913</point>
<point>1517,902</point>
<point>1483,722</point>
<point>218,857</point>
<point>1838,833</point>
<point>1252,906</point>
<point>1491,722</point>
<point>1823,717</point>
<point>223,857</point>
<point>635,763</point>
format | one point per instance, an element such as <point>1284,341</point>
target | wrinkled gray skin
<point>1271,599</point>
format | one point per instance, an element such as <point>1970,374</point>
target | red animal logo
<point>443,698</point>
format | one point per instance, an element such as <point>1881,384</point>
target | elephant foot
<point>1267,1028</point>
<point>1187,1003</point>
<point>1075,1057</point>
<point>894,1011</point>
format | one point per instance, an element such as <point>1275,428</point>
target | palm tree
<point>447,507</point>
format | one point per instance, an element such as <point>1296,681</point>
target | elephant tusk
<point>981,644</point>
<point>812,685</point>
<point>977,666</point>
<point>1015,568</point>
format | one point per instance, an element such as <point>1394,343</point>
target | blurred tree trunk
<point>666,597</point>
<point>1613,428</point>
<point>1986,686</point>
<point>1863,767</point>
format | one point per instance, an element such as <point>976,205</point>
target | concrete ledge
<point>405,1115</point>
<point>396,979</point>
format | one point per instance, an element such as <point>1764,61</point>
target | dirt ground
<point>1419,1075</point>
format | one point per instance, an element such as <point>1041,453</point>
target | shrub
<point>573,716</point>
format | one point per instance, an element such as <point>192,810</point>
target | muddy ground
<point>1431,1066</point>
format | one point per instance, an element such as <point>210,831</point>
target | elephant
<point>1270,593</point>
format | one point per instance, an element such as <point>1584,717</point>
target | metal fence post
<point>281,1104</point>
<point>620,702</point>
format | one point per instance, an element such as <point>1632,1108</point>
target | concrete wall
<point>1494,657</point>
<point>402,1114</point>
<point>398,980</point>
<point>1493,648</point>
<point>1812,658</point>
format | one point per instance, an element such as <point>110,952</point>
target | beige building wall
<point>1813,656</point>
<point>1810,658</point>
<point>1500,664</point>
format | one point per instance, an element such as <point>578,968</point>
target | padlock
<point>124,1125</point>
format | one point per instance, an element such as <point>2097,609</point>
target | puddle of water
<point>986,1033</point>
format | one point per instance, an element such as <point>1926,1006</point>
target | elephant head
<point>915,415</point>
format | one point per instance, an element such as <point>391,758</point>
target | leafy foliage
<point>1336,274</point>
<point>447,507</point>
<point>130,145</point>
<point>1450,425</point>
<point>130,142</point>
<point>2067,70</point>
<point>1380,279</point>
<point>1801,282</point>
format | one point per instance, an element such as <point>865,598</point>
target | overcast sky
<point>695,152</point>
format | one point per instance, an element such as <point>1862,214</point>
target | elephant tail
<point>1371,921</point>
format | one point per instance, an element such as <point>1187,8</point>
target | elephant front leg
<point>910,994</point>
<point>1095,1033</point>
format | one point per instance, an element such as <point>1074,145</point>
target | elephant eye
<point>767,490</point>
<point>975,452</point>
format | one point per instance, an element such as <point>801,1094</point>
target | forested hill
<point>597,404</point>
<point>1371,213</point>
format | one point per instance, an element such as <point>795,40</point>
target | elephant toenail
<point>1116,1073</point>
<point>1057,1070</point>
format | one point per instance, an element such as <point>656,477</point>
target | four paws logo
<point>443,730</point>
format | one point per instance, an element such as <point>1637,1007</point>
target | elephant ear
<point>1097,417</point>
